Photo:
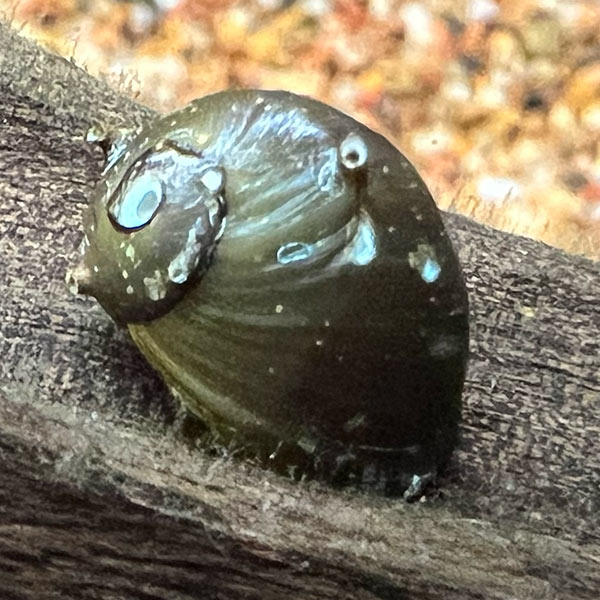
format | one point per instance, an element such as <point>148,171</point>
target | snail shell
<point>288,273</point>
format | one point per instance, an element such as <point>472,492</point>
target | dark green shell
<point>288,273</point>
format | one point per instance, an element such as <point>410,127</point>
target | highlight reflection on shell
<point>287,272</point>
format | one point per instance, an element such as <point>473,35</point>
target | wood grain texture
<point>101,496</point>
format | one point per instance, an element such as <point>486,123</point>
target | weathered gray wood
<point>100,497</point>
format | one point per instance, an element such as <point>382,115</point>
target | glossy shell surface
<point>288,273</point>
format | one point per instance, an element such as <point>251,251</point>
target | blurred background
<point>496,102</point>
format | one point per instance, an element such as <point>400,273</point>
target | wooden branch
<point>102,497</point>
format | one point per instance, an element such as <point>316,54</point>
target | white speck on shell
<point>214,209</point>
<point>182,266</point>
<point>155,286</point>
<point>221,230</point>
<point>425,262</point>
<point>213,179</point>
<point>130,252</point>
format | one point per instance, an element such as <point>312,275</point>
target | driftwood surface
<point>102,497</point>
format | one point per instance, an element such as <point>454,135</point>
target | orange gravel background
<point>496,102</point>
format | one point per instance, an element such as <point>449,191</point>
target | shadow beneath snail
<point>136,388</point>
<point>175,547</point>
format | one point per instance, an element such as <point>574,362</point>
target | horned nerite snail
<point>287,272</point>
